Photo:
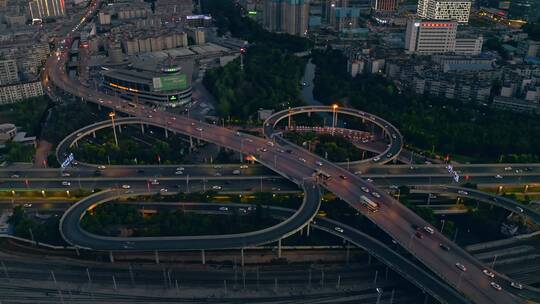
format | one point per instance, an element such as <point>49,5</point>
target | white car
<point>461,267</point>
<point>319,163</point>
<point>338,229</point>
<point>302,160</point>
<point>377,195</point>
<point>496,286</point>
<point>463,192</point>
<point>223,209</point>
<point>377,158</point>
<point>498,176</point>
<point>357,172</point>
<point>236,172</point>
<point>27,205</point>
<point>369,180</point>
<point>180,169</point>
<point>101,167</point>
<point>65,174</point>
<point>179,172</point>
<point>507,168</point>
<point>488,273</point>
<point>366,190</point>
<point>244,166</point>
<point>66,183</point>
<point>429,230</point>
<point>516,285</point>
<point>520,209</point>
<point>216,187</point>
<point>126,186</point>
<point>163,190</point>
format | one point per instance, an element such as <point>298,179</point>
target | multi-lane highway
<point>298,165</point>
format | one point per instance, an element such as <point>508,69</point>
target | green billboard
<point>170,83</point>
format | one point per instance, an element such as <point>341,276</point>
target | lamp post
<point>112,115</point>
<point>334,117</point>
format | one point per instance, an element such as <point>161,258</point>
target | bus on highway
<point>370,205</point>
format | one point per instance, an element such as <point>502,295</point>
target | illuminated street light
<point>334,117</point>
<point>43,193</point>
<point>112,115</point>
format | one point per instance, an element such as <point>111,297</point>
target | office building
<point>438,37</point>
<point>8,72</point>
<point>286,16</point>
<point>458,10</point>
<point>430,37</point>
<point>41,9</point>
<point>151,81</point>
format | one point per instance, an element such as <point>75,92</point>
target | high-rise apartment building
<point>384,5</point>
<point>8,72</point>
<point>438,37</point>
<point>41,9</point>
<point>330,6</point>
<point>286,16</point>
<point>458,10</point>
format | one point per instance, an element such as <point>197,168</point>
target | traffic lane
<point>248,185</point>
<point>269,182</point>
<point>74,234</point>
<point>393,221</point>
<point>503,202</point>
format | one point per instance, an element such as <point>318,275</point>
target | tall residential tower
<point>286,16</point>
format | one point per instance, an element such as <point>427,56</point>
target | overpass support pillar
<point>289,123</point>
<point>119,129</point>
<point>203,257</point>
<point>279,248</point>
<point>94,134</point>
<point>307,229</point>
<point>142,128</point>
<point>242,258</point>
<point>111,257</point>
<point>166,134</point>
<point>156,254</point>
<point>348,253</point>
<point>190,142</point>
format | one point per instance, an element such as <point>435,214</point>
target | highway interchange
<point>296,165</point>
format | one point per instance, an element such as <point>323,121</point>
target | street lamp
<point>334,117</point>
<point>112,115</point>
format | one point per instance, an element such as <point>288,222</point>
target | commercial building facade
<point>164,85</point>
<point>41,9</point>
<point>458,10</point>
<point>438,37</point>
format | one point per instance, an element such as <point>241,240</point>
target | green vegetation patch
<point>431,123</point>
<point>108,219</point>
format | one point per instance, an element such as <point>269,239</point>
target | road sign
<point>68,161</point>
